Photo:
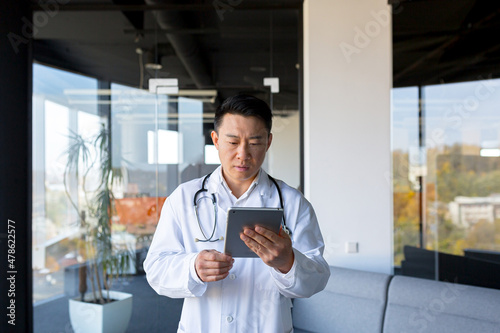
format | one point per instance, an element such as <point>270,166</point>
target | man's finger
<point>214,272</point>
<point>214,278</point>
<point>271,235</point>
<point>212,255</point>
<point>207,264</point>
<point>259,238</point>
<point>211,265</point>
<point>253,245</point>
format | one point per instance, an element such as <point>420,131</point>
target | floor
<point>151,313</point>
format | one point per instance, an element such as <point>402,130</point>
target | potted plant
<point>100,309</point>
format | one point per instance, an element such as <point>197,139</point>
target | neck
<point>238,187</point>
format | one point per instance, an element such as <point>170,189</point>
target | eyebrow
<point>237,137</point>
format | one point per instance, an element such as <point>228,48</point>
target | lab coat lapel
<point>265,194</point>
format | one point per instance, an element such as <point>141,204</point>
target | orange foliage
<point>139,212</point>
<point>405,205</point>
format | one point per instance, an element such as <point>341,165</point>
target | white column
<point>347,128</point>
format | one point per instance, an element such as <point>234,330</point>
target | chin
<point>245,175</point>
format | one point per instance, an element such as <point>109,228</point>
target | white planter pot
<point>107,318</point>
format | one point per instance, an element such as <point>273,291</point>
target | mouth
<point>242,167</point>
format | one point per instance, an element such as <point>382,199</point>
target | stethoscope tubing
<point>214,202</point>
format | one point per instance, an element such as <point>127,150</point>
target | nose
<point>244,151</point>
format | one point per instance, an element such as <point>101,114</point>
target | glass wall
<point>447,181</point>
<point>107,152</point>
<point>56,120</point>
<point>406,185</point>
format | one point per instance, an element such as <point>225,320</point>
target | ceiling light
<point>151,65</point>
<point>164,86</point>
<point>153,60</point>
<point>160,86</point>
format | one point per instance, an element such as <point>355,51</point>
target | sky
<point>464,113</point>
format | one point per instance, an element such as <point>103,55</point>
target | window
<point>447,179</point>
<point>57,118</point>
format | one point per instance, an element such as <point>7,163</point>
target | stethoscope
<point>214,202</point>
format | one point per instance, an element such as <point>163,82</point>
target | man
<point>225,294</point>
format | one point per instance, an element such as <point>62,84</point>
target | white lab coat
<point>254,297</point>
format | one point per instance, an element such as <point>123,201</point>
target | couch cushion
<point>417,305</point>
<point>352,301</point>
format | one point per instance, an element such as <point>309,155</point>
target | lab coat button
<point>229,319</point>
<point>232,276</point>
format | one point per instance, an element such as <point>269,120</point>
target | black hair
<point>247,106</point>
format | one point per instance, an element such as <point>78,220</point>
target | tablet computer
<point>240,217</point>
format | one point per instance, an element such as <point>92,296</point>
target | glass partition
<point>56,119</point>
<point>406,185</point>
<point>447,181</point>
<point>108,151</point>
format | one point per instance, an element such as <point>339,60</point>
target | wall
<point>283,157</point>
<point>347,83</point>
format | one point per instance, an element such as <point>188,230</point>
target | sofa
<point>358,301</point>
<point>475,268</point>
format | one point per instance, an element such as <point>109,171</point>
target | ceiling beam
<point>398,2</point>
<point>453,40</point>
<point>168,6</point>
<point>460,65</point>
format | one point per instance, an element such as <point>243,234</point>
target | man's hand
<point>212,265</point>
<point>275,250</point>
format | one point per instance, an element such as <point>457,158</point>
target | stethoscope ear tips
<point>221,238</point>
<point>196,240</point>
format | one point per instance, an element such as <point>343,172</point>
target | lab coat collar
<point>215,180</point>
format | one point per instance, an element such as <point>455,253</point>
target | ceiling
<point>440,41</point>
<point>231,45</point>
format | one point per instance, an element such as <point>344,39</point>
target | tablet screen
<point>240,217</point>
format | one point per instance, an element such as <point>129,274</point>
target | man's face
<point>242,143</point>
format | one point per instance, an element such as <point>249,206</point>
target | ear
<point>215,139</point>
<point>269,140</point>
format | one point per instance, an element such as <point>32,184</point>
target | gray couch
<point>357,301</point>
